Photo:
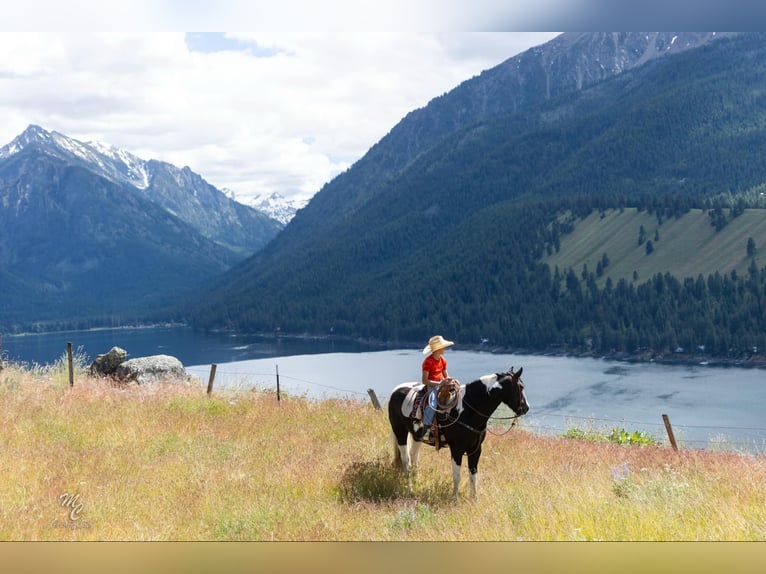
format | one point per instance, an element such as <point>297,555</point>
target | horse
<point>462,428</point>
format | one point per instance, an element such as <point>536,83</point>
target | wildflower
<point>620,473</point>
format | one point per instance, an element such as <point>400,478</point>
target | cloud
<point>256,112</point>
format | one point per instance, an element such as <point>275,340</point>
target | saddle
<point>449,395</point>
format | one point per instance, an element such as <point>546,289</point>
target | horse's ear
<point>518,373</point>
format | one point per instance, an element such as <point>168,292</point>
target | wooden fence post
<point>213,367</point>
<point>669,428</point>
<point>71,364</point>
<point>374,399</point>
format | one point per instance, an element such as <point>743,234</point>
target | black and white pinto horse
<point>463,428</point>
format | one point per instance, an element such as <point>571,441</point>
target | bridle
<point>486,416</point>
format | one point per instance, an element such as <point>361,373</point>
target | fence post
<point>277,383</point>
<point>213,367</point>
<point>71,364</point>
<point>374,399</point>
<point>669,428</point>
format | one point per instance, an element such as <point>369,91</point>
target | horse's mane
<point>478,388</point>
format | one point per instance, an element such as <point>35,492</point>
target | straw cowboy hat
<point>435,343</point>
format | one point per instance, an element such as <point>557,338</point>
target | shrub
<point>615,435</point>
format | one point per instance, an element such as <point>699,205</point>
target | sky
<point>256,113</point>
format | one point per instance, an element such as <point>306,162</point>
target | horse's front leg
<point>473,470</point>
<point>457,458</point>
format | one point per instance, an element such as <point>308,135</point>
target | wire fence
<point>752,439</point>
<point>737,438</point>
<point>247,379</point>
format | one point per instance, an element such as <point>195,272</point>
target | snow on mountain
<point>114,164</point>
<point>277,207</point>
<point>121,166</point>
<point>136,167</point>
<point>273,205</point>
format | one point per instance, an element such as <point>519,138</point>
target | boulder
<point>151,369</point>
<point>107,363</point>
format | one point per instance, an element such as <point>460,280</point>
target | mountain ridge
<point>509,88</point>
<point>179,190</point>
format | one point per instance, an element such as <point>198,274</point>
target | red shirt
<point>435,367</point>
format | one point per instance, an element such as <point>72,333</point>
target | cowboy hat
<point>435,343</point>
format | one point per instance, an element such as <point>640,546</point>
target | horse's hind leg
<point>405,459</point>
<point>414,453</point>
<point>401,454</point>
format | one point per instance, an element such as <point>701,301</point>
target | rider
<point>434,371</point>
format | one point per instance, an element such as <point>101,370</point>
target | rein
<point>488,417</point>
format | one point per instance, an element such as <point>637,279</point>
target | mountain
<point>446,223</point>
<point>87,229</point>
<point>180,191</point>
<point>277,207</point>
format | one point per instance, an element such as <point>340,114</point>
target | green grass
<point>166,462</point>
<point>687,246</point>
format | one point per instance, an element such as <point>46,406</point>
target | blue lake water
<point>189,346</point>
<point>709,407</point>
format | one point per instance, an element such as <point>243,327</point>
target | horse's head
<point>513,391</point>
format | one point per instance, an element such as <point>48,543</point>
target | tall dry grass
<point>166,462</point>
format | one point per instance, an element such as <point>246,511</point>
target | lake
<point>189,346</point>
<point>708,407</point>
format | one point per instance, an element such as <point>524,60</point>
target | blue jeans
<point>429,408</point>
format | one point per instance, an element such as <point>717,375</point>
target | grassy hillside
<point>686,247</point>
<point>165,462</point>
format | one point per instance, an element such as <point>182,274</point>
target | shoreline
<point>754,361</point>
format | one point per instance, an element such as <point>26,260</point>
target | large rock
<point>151,369</point>
<point>107,363</point>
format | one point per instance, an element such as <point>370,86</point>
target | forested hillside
<point>462,240</point>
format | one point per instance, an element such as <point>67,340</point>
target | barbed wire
<point>283,376</point>
<point>591,418</point>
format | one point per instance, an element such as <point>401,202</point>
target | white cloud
<point>267,112</point>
